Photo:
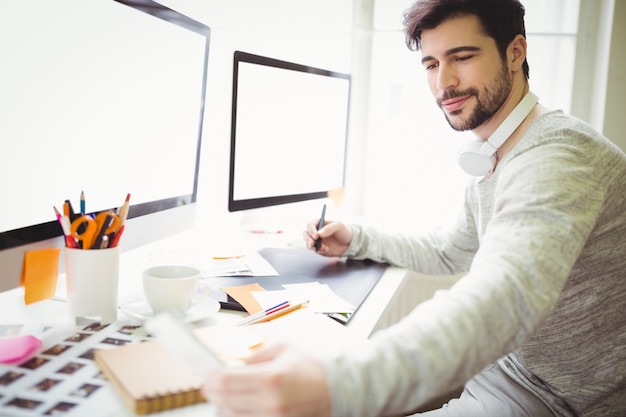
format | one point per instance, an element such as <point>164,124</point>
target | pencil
<point>272,313</point>
<point>123,211</point>
<point>82,203</point>
<point>65,226</point>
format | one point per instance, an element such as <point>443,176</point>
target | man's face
<point>465,72</point>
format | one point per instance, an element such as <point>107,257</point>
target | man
<point>536,326</point>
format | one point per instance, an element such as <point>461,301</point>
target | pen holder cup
<point>92,277</point>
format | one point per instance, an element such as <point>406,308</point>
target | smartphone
<point>177,336</point>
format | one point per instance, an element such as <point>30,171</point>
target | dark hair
<point>501,19</point>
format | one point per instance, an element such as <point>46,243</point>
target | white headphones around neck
<point>478,157</point>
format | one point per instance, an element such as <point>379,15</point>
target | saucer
<point>202,307</point>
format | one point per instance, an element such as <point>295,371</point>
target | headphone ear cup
<point>473,160</point>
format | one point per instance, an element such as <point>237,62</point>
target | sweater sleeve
<point>531,235</point>
<point>443,251</point>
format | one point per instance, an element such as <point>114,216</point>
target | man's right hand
<point>335,237</point>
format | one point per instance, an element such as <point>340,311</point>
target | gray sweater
<point>544,241</point>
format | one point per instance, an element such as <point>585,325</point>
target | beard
<point>488,102</point>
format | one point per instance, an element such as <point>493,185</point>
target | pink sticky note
<point>16,349</point>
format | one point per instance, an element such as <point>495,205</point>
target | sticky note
<point>336,195</point>
<point>16,349</point>
<point>39,276</point>
<point>243,295</point>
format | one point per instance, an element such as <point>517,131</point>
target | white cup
<point>170,288</point>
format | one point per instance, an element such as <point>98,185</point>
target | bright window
<point>412,180</point>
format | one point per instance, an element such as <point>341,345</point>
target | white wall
<point>592,51</point>
<point>310,33</point>
<point>600,78</point>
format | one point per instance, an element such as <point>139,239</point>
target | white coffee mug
<point>170,288</point>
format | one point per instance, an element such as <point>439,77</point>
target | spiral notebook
<point>149,378</point>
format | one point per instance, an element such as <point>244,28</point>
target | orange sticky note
<point>39,276</point>
<point>243,295</point>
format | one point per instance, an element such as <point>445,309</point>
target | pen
<point>108,221</point>
<point>278,310</point>
<point>69,210</point>
<point>266,232</point>
<point>318,242</point>
<point>116,237</point>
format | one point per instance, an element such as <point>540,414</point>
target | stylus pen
<point>318,242</point>
<point>273,313</point>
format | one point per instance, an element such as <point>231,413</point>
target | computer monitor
<point>104,97</point>
<point>289,131</point>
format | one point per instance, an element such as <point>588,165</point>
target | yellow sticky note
<point>336,195</point>
<point>39,276</point>
<point>243,295</point>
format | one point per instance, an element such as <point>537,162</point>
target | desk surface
<point>105,402</point>
<point>349,279</point>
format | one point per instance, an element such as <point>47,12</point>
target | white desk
<point>371,315</point>
<point>396,293</point>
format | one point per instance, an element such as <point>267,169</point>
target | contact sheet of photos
<point>62,379</point>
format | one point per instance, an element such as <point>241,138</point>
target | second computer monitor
<point>289,132</point>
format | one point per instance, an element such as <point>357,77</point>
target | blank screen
<point>96,97</point>
<point>289,131</point>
